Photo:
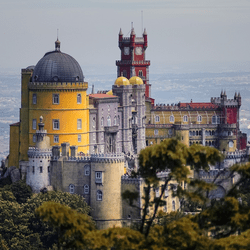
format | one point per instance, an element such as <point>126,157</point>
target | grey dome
<point>56,66</point>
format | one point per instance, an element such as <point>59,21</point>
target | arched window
<point>194,133</point>
<point>199,118</point>
<point>56,124</point>
<point>140,73</point>
<point>197,133</point>
<point>171,118</point>
<point>34,124</point>
<point>173,205</point>
<point>108,121</point>
<point>86,189</point>
<point>157,118</point>
<point>231,144</point>
<point>72,189</point>
<point>93,122</point>
<point>34,138</point>
<point>79,98</point>
<point>185,118</point>
<point>118,120</point>
<point>102,121</point>
<point>55,98</point>
<point>99,195</point>
<point>34,99</point>
<point>86,170</point>
<point>115,121</point>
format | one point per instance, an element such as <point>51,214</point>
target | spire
<point>57,43</point>
<point>120,33</point>
<point>145,32</point>
<point>132,31</point>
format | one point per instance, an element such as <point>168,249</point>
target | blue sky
<point>179,31</point>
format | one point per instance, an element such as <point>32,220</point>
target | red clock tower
<point>133,61</point>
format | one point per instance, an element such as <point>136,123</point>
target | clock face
<point>126,50</point>
<point>138,50</point>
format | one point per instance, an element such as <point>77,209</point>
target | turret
<point>132,38</point>
<point>145,36</point>
<point>120,38</point>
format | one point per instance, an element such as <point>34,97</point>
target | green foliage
<point>5,181</point>
<point>21,191</point>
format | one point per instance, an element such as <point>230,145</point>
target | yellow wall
<point>14,145</point>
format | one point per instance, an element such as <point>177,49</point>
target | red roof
<point>15,124</point>
<point>101,96</point>
<point>198,105</point>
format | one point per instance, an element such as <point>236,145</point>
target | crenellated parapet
<point>59,86</point>
<point>127,179</point>
<point>35,152</point>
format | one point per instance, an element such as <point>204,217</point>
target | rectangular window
<point>41,169</point>
<point>56,124</point>
<point>199,118</point>
<point>34,124</point>
<point>56,138</point>
<point>79,138</point>
<point>185,118</point>
<point>157,118</point>
<point>34,138</point>
<point>33,169</point>
<point>98,177</point>
<point>157,192</point>
<point>79,123</point>
<point>156,131</point>
<point>34,99</point>
<point>79,98</point>
<point>55,98</point>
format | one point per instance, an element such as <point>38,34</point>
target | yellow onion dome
<point>110,92</point>
<point>122,81</point>
<point>136,80</point>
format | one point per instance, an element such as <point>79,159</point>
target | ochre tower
<point>133,61</point>
<point>54,89</point>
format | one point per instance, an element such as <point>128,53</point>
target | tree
<point>177,158</point>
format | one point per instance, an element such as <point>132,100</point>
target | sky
<point>179,31</point>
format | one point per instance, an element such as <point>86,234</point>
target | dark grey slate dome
<point>56,66</point>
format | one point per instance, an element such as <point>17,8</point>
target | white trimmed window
<point>156,131</point>
<point>79,123</point>
<point>55,98</point>
<point>199,118</point>
<point>157,118</point>
<point>79,138</point>
<point>99,195</point>
<point>98,177</point>
<point>171,118</point>
<point>56,124</point>
<point>185,118</point>
<point>56,138</point>
<point>87,170</point>
<point>71,189</point>
<point>86,189</point>
<point>79,98</point>
<point>34,124</point>
<point>34,99</point>
<point>214,119</point>
<point>108,121</point>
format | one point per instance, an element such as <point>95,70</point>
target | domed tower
<point>55,89</point>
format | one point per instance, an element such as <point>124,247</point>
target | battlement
<point>58,85</point>
<point>130,62</point>
<point>127,179</point>
<point>212,174</point>
<point>236,154</point>
<point>34,152</point>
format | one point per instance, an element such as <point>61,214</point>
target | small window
<point>34,138</point>
<point>86,189</point>
<point>34,98</point>
<point>108,121</point>
<point>124,73</point>
<point>55,98</point>
<point>79,138</point>
<point>156,131</point>
<point>166,192</point>
<point>33,169</point>
<point>231,144</point>
<point>218,119</point>
<point>214,119</point>
<point>72,189</point>
<point>115,121</point>
<point>199,118</point>
<point>102,121</point>
<point>56,138</point>
<point>48,169</point>
<point>79,98</point>
<point>140,73</point>
<point>157,192</point>
<point>157,118</point>
<point>79,123</point>
<point>118,120</point>
<point>185,118</point>
<point>86,170</point>
<point>34,124</point>
<point>56,124</point>
<point>171,118</point>
<point>98,177</point>
<point>173,205</point>
<point>93,122</point>
<point>41,169</point>
<point>99,195</point>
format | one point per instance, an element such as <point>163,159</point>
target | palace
<point>88,144</point>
